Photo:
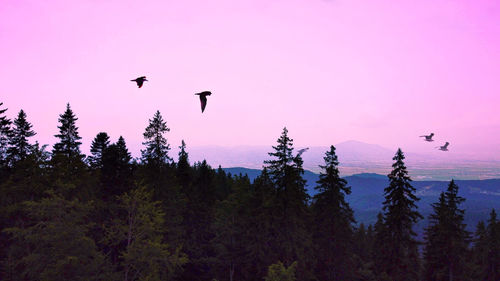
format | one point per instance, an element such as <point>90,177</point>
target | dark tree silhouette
<point>157,147</point>
<point>5,132</point>
<point>333,230</point>
<point>99,144</point>
<point>291,210</point>
<point>446,238</point>
<point>19,145</point>
<point>400,215</point>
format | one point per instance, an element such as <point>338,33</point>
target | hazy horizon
<point>380,72</point>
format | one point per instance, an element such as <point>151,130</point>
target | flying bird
<point>203,99</point>
<point>140,81</point>
<point>302,151</point>
<point>444,147</point>
<point>428,138</point>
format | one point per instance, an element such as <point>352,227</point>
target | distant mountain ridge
<point>355,158</point>
<point>368,194</point>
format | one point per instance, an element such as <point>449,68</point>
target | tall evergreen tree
<point>492,270</point>
<point>184,172</point>
<point>69,172</point>
<point>69,139</point>
<point>5,132</point>
<point>157,147</point>
<point>333,230</point>
<point>446,238</point>
<point>116,169</point>
<point>400,215</point>
<point>291,210</point>
<point>19,145</point>
<point>99,144</point>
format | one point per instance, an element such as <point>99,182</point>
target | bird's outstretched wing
<point>139,83</point>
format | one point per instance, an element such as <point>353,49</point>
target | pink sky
<point>377,71</point>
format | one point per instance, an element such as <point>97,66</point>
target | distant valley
<point>357,157</point>
<point>368,194</point>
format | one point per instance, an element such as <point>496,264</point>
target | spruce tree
<point>5,132</point>
<point>69,172</point>
<point>291,210</point>
<point>400,215</point>
<point>19,145</point>
<point>157,147</point>
<point>333,230</point>
<point>99,144</point>
<point>116,171</point>
<point>184,172</point>
<point>446,238</point>
<point>69,139</point>
<point>492,268</point>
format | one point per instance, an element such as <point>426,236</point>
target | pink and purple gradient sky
<point>378,71</point>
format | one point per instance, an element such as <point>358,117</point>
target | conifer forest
<point>107,216</point>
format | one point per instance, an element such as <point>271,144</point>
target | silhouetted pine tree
<point>291,210</point>
<point>157,147</point>
<point>400,215</point>
<point>69,139</point>
<point>117,170</point>
<point>491,270</point>
<point>5,132</point>
<point>446,243</point>
<point>69,172</point>
<point>184,171</point>
<point>18,141</point>
<point>333,230</point>
<point>99,144</point>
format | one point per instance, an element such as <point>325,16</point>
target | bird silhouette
<point>428,138</point>
<point>140,80</point>
<point>302,151</point>
<point>203,99</point>
<point>444,147</point>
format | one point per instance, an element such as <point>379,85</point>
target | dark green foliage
<point>62,218</point>
<point>290,209</point>
<point>197,223</point>
<point>69,172</point>
<point>230,229</point>
<point>260,239</point>
<point>99,145</point>
<point>157,147</point>
<point>5,132</point>
<point>278,272</point>
<point>400,257</point>
<point>486,250</point>
<point>492,271</point>
<point>447,240</point>
<point>116,171</point>
<point>139,228</point>
<point>54,244</point>
<point>19,146</point>
<point>69,139</point>
<point>333,219</point>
